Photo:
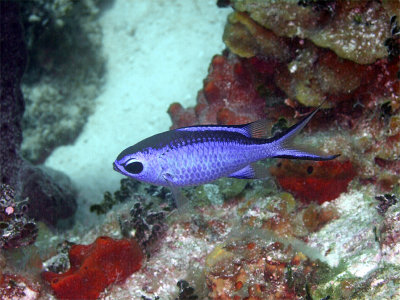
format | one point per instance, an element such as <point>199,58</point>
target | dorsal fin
<point>258,129</point>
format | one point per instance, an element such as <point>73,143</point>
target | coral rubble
<point>261,270</point>
<point>17,287</point>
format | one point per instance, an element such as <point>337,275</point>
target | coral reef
<point>126,192</point>
<point>229,78</point>
<point>325,230</point>
<point>216,193</point>
<point>353,30</point>
<point>64,73</point>
<point>45,194</point>
<point>17,287</point>
<point>288,219</point>
<point>261,270</point>
<point>272,70</point>
<point>147,226</point>
<point>266,242</point>
<point>388,232</point>
<point>16,229</point>
<point>259,83</point>
<point>284,57</point>
<point>308,71</point>
<point>279,58</point>
<point>94,267</point>
<point>131,190</point>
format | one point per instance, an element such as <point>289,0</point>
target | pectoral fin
<point>252,171</point>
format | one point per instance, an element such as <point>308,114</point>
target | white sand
<point>158,52</point>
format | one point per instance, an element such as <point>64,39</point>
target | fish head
<point>140,165</point>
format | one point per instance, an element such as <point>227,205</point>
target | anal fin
<point>252,171</point>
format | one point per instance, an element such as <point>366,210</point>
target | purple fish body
<point>201,154</point>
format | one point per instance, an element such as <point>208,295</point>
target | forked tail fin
<point>286,148</point>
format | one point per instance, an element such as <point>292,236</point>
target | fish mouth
<point>115,167</point>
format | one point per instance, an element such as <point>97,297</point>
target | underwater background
<point>83,80</point>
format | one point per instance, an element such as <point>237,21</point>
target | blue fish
<point>200,154</point>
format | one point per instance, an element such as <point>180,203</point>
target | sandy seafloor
<point>158,52</point>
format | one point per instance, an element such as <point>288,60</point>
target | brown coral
<point>354,30</point>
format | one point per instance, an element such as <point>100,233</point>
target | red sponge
<point>94,267</point>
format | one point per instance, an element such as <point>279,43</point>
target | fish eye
<point>134,167</point>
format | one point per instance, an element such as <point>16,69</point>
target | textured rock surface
<point>13,61</point>
<point>259,269</point>
<point>45,195</point>
<point>354,30</point>
<point>52,196</point>
<point>17,287</point>
<point>64,73</point>
<point>306,72</point>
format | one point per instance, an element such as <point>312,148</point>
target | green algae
<point>207,194</point>
<point>218,192</point>
<point>380,284</point>
<point>231,188</point>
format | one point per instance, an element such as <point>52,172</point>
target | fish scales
<point>200,157</point>
<point>200,154</point>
